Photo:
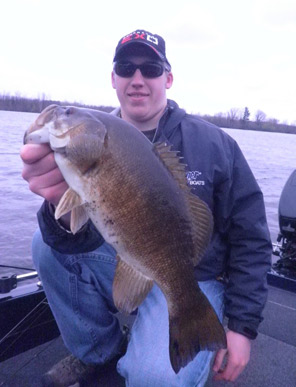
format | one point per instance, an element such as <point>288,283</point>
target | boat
<point>25,317</point>
<point>28,328</point>
<point>283,272</point>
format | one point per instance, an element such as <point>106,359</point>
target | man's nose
<point>137,77</point>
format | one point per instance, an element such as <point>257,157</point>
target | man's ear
<point>113,80</point>
<point>169,80</point>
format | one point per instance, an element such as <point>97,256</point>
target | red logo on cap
<point>127,38</point>
<point>134,36</point>
<point>139,35</point>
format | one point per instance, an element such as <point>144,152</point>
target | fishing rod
<point>17,267</point>
<point>19,329</point>
<point>8,283</point>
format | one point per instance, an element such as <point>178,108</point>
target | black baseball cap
<point>133,42</point>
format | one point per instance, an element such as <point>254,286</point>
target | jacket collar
<point>169,122</point>
<point>170,119</point>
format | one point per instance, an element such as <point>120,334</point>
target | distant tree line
<point>36,105</point>
<point>235,118</point>
<point>240,119</point>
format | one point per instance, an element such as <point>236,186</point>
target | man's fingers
<point>230,373</point>
<point>30,153</point>
<point>42,173</point>
<point>238,355</point>
<point>45,180</point>
<point>219,360</point>
<point>54,193</point>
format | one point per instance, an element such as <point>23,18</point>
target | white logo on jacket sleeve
<point>193,178</point>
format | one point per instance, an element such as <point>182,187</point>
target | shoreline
<point>36,106</point>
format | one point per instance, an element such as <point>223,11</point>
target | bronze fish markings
<point>136,195</point>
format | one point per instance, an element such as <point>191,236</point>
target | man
<point>77,270</point>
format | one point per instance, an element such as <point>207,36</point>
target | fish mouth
<point>39,136</point>
<point>59,141</point>
<point>38,132</point>
<point>47,115</point>
<point>48,129</point>
<point>62,130</point>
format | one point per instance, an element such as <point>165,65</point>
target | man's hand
<point>41,172</point>
<point>238,355</point>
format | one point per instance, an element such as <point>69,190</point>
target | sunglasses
<point>148,69</point>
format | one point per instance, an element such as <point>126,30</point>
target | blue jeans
<point>79,291</point>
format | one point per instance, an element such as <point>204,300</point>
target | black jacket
<point>219,174</point>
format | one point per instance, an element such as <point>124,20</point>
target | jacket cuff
<point>243,328</point>
<point>60,239</point>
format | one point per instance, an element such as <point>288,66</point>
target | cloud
<point>276,15</point>
<point>223,53</point>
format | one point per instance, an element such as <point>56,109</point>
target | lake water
<point>272,157</point>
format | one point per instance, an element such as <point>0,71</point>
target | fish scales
<point>142,199</point>
<point>136,195</point>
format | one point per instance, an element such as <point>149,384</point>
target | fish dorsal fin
<point>130,287</point>
<point>71,201</point>
<point>201,216</point>
<point>172,161</point>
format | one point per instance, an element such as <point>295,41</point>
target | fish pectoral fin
<point>78,218</point>
<point>130,287</point>
<point>67,203</point>
<point>71,201</point>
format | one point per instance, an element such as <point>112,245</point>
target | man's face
<point>141,99</point>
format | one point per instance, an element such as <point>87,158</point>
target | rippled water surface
<point>272,157</point>
<point>18,206</point>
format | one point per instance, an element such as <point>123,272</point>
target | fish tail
<point>194,329</point>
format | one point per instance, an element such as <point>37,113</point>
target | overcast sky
<point>224,53</point>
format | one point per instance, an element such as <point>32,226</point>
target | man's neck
<point>144,125</point>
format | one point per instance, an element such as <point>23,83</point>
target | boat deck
<point>272,364</point>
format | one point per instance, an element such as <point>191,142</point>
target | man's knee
<point>140,376</point>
